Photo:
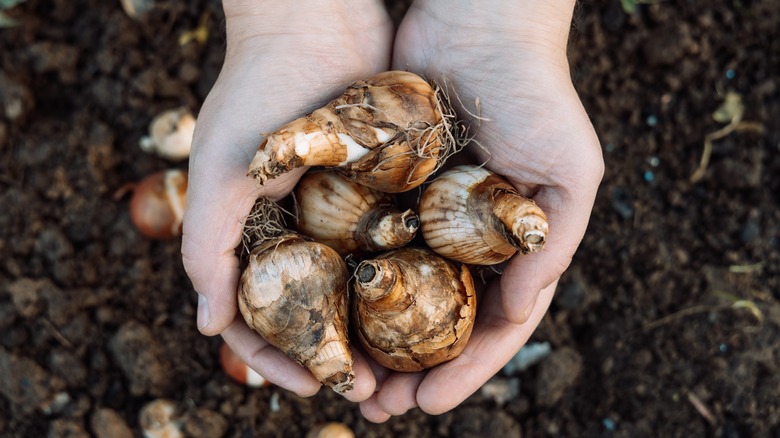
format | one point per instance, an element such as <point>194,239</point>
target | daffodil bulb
<point>170,134</point>
<point>349,217</point>
<point>413,309</point>
<point>474,216</point>
<point>293,292</point>
<point>389,132</point>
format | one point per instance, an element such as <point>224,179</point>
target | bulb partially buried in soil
<point>413,309</point>
<point>350,217</point>
<point>474,216</point>
<point>294,294</point>
<point>389,132</point>
<point>158,203</point>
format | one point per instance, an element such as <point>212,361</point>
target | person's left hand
<point>512,56</point>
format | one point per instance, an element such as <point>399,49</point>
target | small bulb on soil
<point>158,202</point>
<point>349,217</point>
<point>238,370</point>
<point>170,134</point>
<point>331,430</point>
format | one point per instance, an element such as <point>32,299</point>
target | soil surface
<point>666,324</point>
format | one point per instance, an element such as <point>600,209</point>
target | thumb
<point>211,233</point>
<point>526,275</point>
<point>219,198</point>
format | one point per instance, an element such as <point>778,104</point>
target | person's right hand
<point>283,59</point>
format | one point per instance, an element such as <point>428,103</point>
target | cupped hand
<point>283,59</point>
<point>512,57</point>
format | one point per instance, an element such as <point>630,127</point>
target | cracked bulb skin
<point>474,216</point>
<point>349,217</point>
<point>413,309</point>
<point>386,132</point>
<point>294,294</point>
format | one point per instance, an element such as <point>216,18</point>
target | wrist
<point>246,19</point>
<point>542,24</point>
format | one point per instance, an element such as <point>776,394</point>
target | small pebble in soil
<point>16,100</point>
<point>501,389</point>
<point>571,292</point>
<point>62,427</point>
<point>531,354</point>
<point>557,375</point>
<point>107,423</point>
<point>723,348</point>
<point>27,385</point>
<point>750,231</point>
<point>648,176</point>
<point>651,120</point>
<point>609,424</point>
<point>730,74</point>
<point>57,404</point>
<point>654,161</point>
<point>273,402</point>
<point>205,423</point>
<point>623,202</point>
<point>136,350</point>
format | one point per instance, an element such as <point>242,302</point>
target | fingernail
<point>530,307</point>
<point>204,318</point>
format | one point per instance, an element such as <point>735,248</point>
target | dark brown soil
<point>667,323</point>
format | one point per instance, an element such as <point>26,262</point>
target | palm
<point>537,135</point>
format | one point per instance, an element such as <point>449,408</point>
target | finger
<point>566,194</point>
<point>492,344</point>
<point>219,197</point>
<point>399,392</point>
<point>568,213</point>
<point>213,222</point>
<point>380,373</point>
<point>372,412</point>
<point>268,361</point>
<point>365,383</point>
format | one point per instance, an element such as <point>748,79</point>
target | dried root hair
<point>264,222</point>
<point>458,134</point>
<point>463,133</point>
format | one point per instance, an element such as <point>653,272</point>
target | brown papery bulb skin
<point>294,294</point>
<point>474,216</point>
<point>413,309</point>
<point>349,217</point>
<point>387,132</point>
<point>158,202</point>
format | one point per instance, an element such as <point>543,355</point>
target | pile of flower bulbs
<point>413,307</point>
